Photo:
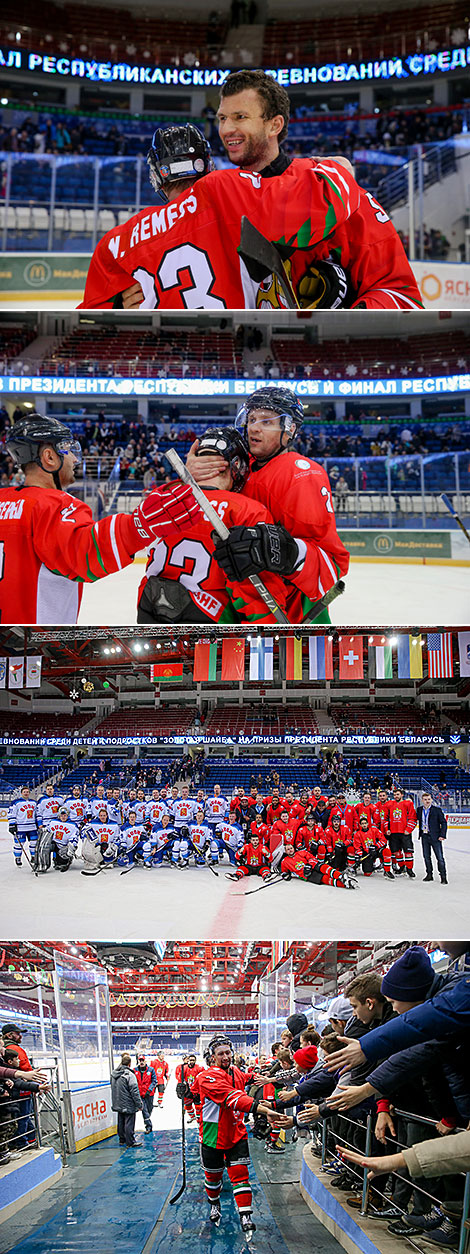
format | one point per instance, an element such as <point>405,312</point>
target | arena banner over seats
<point>402,546</point>
<point>345,738</point>
<point>440,61</point>
<point>306,389</point>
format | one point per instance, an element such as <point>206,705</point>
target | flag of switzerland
<point>351,664</point>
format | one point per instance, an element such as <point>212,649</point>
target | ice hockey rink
<point>376,594</point>
<point>192,901</point>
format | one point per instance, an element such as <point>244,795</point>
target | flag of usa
<point>440,663</point>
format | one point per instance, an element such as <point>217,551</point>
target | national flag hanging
<point>464,652</point>
<point>351,658</point>
<point>290,658</point>
<point>15,672</point>
<point>205,662</point>
<point>166,672</point>
<point>233,658</point>
<point>440,663</point>
<point>410,657</point>
<point>3,672</point>
<point>279,949</point>
<point>380,658</point>
<point>320,657</point>
<point>33,672</point>
<point>261,658</point>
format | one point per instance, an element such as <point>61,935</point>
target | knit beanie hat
<point>410,977</point>
<point>306,1058</point>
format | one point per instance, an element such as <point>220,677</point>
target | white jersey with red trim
<point>184,811</point>
<point>95,805</point>
<point>102,833</point>
<point>231,834</point>
<point>78,808</point>
<point>47,808</point>
<point>155,809</point>
<point>200,833</point>
<point>63,834</point>
<point>131,834</point>
<point>23,813</point>
<point>217,808</point>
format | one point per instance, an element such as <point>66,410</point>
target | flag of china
<point>233,658</point>
<point>351,661</point>
<point>163,672</point>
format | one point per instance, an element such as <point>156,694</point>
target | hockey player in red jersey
<point>253,858</point>
<point>259,829</point>
<point>361,263</point>
<point>402,821</point>
<point>219,1093</point>
<point>366,845</point>
<point>337,837</point>
<point>282,833</point>
<point>366,807</point>
<point>311,835</point>
<point>381,812</point>
<point>186,1074</point>
<point>183,581</point>
<point>161,1070</point>
<point>303,546</point>
<point>305,866</point>
<point>49,544</point>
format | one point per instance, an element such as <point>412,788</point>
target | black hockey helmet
<point>214,1044</point>
<point>31,432</point>
<point>280,401</point>
<point>178,152</point>
<point>229,444</point>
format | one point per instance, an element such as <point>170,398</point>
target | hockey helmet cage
<point>28,435</point>
<point>280,401</point>
<point>229,444</point>
<point>214,1044</point>
<point>178,152</point>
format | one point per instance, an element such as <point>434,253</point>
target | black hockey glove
<point>325,285</point>
<point>249,550</point>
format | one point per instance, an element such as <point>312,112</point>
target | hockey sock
<point>213,1183</point>
<point>398,859</point>
<point>32,845</point>
<point>386,858</point>
<point>18,842</point>
<point>328,874</point>
<point>238,1174</point>
<point>409,860</point>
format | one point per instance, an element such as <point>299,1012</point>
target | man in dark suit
<point>432,831</point>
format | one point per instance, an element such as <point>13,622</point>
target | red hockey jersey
<point>190,561</point>
<point>161,1069</point>
<point>282,833</point>
<point>222,1105</point>
<point>402,817</point>
<point>184,254</point>
<point>249,856</point>
<point>297,493</point>
<point>381,815</point>
<point>50,547</point>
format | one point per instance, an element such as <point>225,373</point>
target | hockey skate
<point>215,1214</point>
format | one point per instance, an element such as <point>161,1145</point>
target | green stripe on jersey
<point>209,1134</point>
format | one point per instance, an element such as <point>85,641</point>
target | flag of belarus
<point>164,672</point>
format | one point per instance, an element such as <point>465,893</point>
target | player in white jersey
<point>101,832</point>
<point>129,804</point>
<point>231,833</point>
<point>182,846</point>
<point>161,839</point>
<point>200,834</point>
<point>64,839</point>
<point>22,824</point>
<point>217,808</point>
<point>132,840</point>
<point>48,805</point>
<point>114,805</point>
<point>78,807</point>
<point>140,806</point>
<point>156,808</point>
<point>184,809</point>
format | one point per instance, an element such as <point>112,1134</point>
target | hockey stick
<point>325,601</point>
<point>262,258</point>
<point>267,884</point>
<point>448,504</point>
<point>183,1146</point>
<point>222,531</point>
<point>28,859</point>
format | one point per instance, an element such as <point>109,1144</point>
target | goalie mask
<point>214,1044</point>
<point>280,401</point>
<point>229,444</point>
<point>30,433</point>
<point>178,152</point>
